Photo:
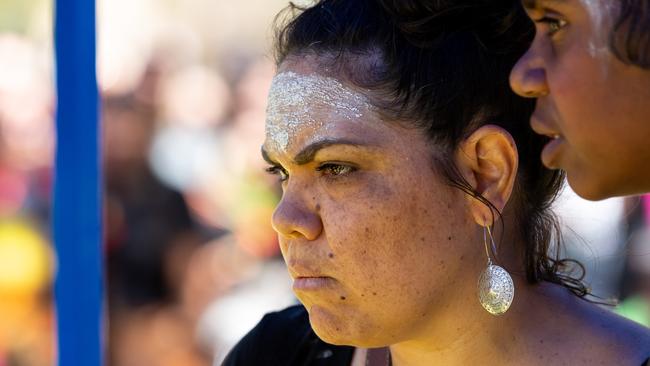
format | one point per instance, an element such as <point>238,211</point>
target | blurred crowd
<point>188,207</point>
<point>191,260</point>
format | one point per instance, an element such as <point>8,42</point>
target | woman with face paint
<point>415,216</point>
<point>589,68</point>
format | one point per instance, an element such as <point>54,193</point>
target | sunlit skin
<point>593,106</point>
<point>366,182</point>
<point>383,252</point>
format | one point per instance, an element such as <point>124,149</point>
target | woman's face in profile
<point>373,237</point>
<point>592,106</point>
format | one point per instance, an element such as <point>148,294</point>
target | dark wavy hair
<point>443,66</point>
<point>630,38</point>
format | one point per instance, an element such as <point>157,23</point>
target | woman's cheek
<point>367,243</point>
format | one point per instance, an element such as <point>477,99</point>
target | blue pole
<point>77,196</point>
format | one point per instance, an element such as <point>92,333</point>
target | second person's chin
<point>589,186</point>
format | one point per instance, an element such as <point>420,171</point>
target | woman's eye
<point>279,171</point>
<point>553,24</point>
<point>335,170</point>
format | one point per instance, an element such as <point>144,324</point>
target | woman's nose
<point>296,218</point>
<point>528,76</point>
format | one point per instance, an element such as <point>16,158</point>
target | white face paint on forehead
<point>295,98</point>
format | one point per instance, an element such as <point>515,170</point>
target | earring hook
<point>486,232</point>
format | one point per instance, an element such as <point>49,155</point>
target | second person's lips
<point>551,152</point>
<point>543,126</point>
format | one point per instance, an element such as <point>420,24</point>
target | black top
<point>285,338</point>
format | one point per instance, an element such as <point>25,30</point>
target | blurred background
<point>191,261</point>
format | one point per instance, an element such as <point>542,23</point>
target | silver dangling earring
<point>495,287</point>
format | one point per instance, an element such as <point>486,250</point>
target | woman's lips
<point>312,283</point>
<point>552,149</point>
<point>551,152</point>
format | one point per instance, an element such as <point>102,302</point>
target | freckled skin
<point>595,102</point>
<point>367,231</point>
<point>382,258</point>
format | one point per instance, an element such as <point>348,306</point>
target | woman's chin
<point>343,328</point>
<point>331,326</point>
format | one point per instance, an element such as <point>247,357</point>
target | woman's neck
<point>468,334</point>
<point>461,332</point>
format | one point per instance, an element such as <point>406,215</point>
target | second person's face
<point>594,108</point>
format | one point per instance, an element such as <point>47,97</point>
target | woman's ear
<point>488,160</point>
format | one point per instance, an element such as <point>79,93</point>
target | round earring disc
<point>495,290</point>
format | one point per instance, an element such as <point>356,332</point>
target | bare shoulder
<point>612,339</point>
<point>577,332</point>
<point>610,319</point>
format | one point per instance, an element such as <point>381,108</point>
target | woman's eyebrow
<point>529,4</point>
<point>307,154</point>
<point>532,4</point>
<point>266,156</point>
